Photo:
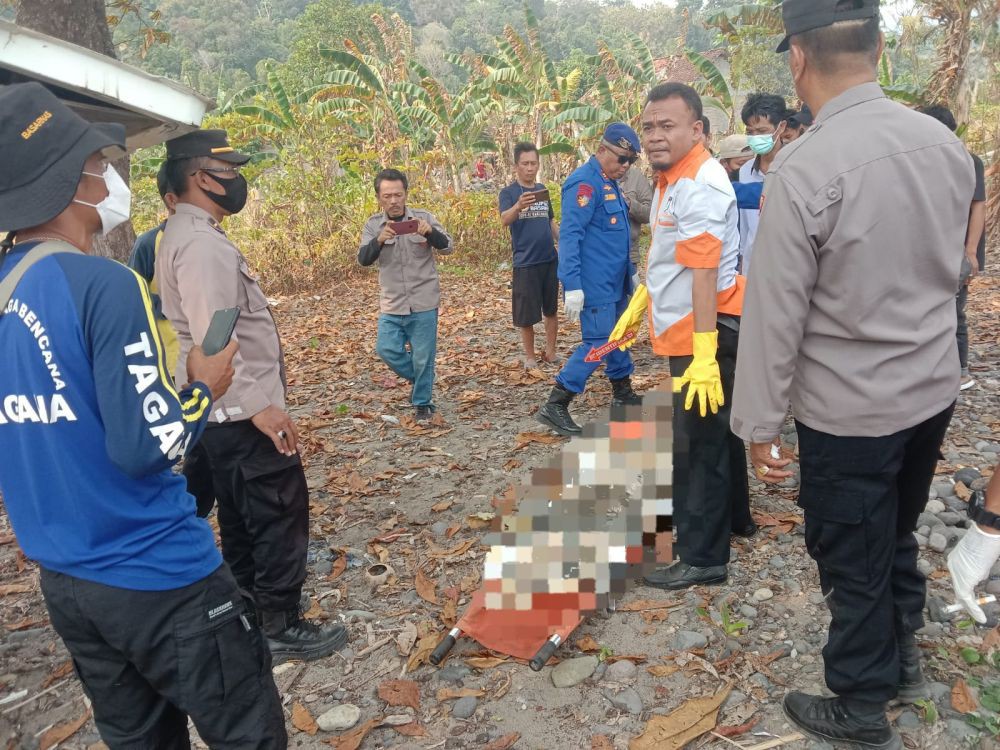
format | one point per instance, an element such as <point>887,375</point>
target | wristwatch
<point>978,512</point>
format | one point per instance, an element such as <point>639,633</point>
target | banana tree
<point>714,87</point>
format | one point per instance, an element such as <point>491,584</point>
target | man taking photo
<point>525,207</point>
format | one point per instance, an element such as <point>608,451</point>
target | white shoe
<point>967,382</point>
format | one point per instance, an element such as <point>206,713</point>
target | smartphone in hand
<point>404,227</point>
<point>541,195</point>
<point>220,330</point>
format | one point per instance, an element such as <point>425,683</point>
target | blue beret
<point>621,135</point>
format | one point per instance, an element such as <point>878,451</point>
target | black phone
<point>220,330</point>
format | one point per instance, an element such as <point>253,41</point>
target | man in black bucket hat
<point>90,425</point>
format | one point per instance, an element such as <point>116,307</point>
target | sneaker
<point>966,383</point>
<point>290,636</point>
<point>680,575</point>
<point>832,720</point>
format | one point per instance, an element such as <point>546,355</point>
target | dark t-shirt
<point>531,233</point>
<point>980,195</point>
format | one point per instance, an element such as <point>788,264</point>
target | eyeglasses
<point>219,170</point>
<point>622,159</point>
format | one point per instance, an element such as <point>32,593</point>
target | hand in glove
<point>969,563</point>
<point>574,305</point>
<point>702,376</point>
<point>631,319</point>
<point>636,282</point>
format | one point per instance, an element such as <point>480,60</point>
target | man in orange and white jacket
<point>694,298</point>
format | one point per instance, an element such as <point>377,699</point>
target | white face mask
<point>114,209</point>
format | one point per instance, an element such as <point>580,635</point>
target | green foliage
<point>989,697</point>
<point>928,711</point>
<point>726,624</point>
<point>989,723</point>
<point>970,655</point>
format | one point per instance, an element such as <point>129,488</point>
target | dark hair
<point>942,114</point>
<point>706,126</point>
<point>524,148</point>
<point>390,175</point>
<point>176,173</point>
<point>771,106</point>
<point>162,181</point>
<point>827,46</point>
<point>667,90</point>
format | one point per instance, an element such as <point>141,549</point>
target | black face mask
<point>734,176</point>
<point>235,197</point>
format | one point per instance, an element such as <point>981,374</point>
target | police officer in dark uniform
<point>596,273</point>
<point>250,443</point>
<point>850,319</point>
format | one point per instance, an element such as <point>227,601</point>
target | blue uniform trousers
<point>596,324</point>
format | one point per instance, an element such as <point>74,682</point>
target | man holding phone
<point>251,442</point>
<point>526,208</point>
<point>404,241</point>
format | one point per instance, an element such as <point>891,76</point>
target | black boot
<point>912,686</point>
<point>622,393</point>
<point>837,720</point>
<point>555,413</point>
<point>289,636</point>
<point>680,575</point>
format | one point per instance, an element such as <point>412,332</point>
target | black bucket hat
<point>45,145</point>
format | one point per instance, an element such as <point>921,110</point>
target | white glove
<point>969,563</point>
<point>574,304</point>
<point>635,281</point>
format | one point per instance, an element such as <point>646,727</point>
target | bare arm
<point>704,298</point>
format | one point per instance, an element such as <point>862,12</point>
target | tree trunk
<point>84,23</point>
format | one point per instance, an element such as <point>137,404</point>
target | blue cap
<point>621,135</point>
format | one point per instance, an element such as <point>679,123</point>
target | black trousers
<point>150,659</point>
<point>198,472</point>
<point>263,512</point>
<point>711,490</point>
<point>862,497</point>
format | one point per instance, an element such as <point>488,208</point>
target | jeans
<point>711,490</point>
<point>962,332</point>
<point>862,497</point>
<point>596,324</point>
<point>419,330</point>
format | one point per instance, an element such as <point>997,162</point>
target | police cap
<point>211,143</point>
<point>806,15</point>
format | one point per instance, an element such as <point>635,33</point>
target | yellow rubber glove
<point>632,318</point>
<point>702,376</point>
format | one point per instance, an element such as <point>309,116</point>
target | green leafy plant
<point>970,655</point>
<point>605,653</point>
<point>928,711</point>
<point>988,723</point>
<point>727,624</point>
<point>989,696</point>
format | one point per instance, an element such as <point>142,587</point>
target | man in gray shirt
<point>850,317</point>
<point>638,193</point>
<point>405,242</point>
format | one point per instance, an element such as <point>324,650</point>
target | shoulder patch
<point>583,194</point>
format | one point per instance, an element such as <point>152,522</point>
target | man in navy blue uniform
<point>596,273</point>
<point>90,424</point>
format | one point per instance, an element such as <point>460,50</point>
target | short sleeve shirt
<point>980,195</point>
<point>531,233</point>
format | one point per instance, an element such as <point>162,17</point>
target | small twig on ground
<point>777,742</point>
<point>35,697</point>
<point>374,647</point>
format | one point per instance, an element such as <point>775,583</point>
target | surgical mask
<point>235,197</point>
<point>116,207</point>
<point>761,144</point>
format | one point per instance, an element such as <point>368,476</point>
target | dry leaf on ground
<point>352,740</point>
<point>443,505</point>
<point>425,646</point>
<point>601,742</point>
<point>587,644</point>
<point>992,639</point>
<point>303,720</point>
<point>63,670</point>
<point>485,662</point>
<point>479,521</point>
<point>406,639</point>
<point>662,670</point>
<point>339,566</point>
<point>400,693</point>
<point>738,730</point>
<point>426,588</point>
<point>62,732</point>
<point>688,722</point>
<point>15,588</point>
<point>524,439</point>
<point>962,699</point>
<point>413,729</point>
<point>502,743</point>
<point>454,551</point>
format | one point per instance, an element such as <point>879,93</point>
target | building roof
<point>99,88</point>
<point>678,68</point>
